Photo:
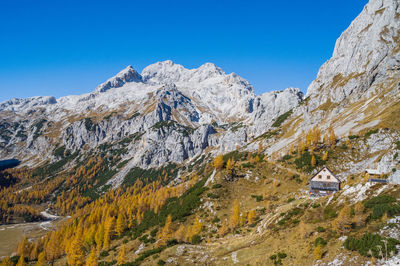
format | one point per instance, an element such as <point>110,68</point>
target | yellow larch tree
<point>326,140</point>
<point>92,258</point>
<point>23,246</point>
<point>109,226</point>
<point>219,162</point>
<point>75,251</point>
<point>313,161</point>
<point>188,235</point>
<point>223,229</point>
<point>180,233</point>
<point>366,177</point>
<point>106,241</point>
<point>251,217</point>
<point>385,218</point>
<point>166,231</point>
<point>108,232</point>
<point>332,137</point>
<point>318,252</point>
<point>52,248</point>
<point>41,259</point>
<point>359,218</point>
<point>197,226</point>
<point>6,262</point>
<point>325,156</point>
<point>342,223</point>
<point>99,238</point>
<point>230,166</point>
<point>21,261</point>
<point>122,256</point>
<point>89,236</point>
<point>121,224</point>
<point>34,252</point>
<point>234,219</point>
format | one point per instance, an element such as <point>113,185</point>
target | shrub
<point>321,229</point>
<point>320,241</point>
<point>104,253</point>
<point>154,232</point>
<point>59,152</point>
<point>381,205</point>
<point>215,220</point>
<point>297,178</point>
<point>172,242</point>
<point>257,197</point>
<point>286,157</point>
<point>248,165</point>
<point>161,262</point>
<point>304,161</point>
<point>196,239</point>
<point>398,144</point>
<point>277,258</point>
<point>212,196</point>
<point>372,245</point>
<point>216,186</point>
<point>282,255</point>
<point>353,137</point>
<point>383,199</point>
<point>290,200</point>
<point>371,132</point>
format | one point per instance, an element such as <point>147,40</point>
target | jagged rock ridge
<point>169,114</point>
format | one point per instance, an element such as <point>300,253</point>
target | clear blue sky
<point>69,47</point>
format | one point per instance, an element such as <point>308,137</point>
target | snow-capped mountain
<point>176,112</point>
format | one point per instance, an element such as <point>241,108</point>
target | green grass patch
<point>371,132</point>
<point>279,121</point>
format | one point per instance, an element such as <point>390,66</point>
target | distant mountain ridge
<point>205,101</point>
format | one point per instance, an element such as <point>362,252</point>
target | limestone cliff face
<point>367,52</point>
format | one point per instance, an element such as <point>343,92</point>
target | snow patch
<point>211,178</point>
<point>234,258</point>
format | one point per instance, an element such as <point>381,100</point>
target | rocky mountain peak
<point>164,72</point>
<point>124,76</point>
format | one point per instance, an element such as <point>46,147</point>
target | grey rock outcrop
<point>365,53</point>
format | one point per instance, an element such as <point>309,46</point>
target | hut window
<point>329,177</point>
<point>320,176</point>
